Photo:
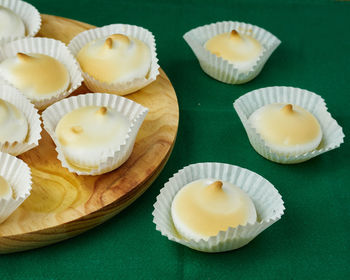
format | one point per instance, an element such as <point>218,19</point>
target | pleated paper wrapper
<point>53,48</point>
<point>29,15</point>
<point>14,97</point>
<point>17,173</point>
<point>268,203</point>
<point>219,68</point>
<point>79,41</point>
<point>333,135</point>
<point>110,159</point>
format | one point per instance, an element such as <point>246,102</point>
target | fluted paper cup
<point>14,97</point>
<point>53,48</point>
<point>268,203</point>
<point>110,159</point>
<point>17,173</point>
<point>79,41</point>
<point>29,15</point>
<point>219,68</point>
<point>332,137</point>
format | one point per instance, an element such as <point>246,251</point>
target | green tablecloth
<point>312,238</point>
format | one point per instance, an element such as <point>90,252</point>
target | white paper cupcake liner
<point>53,48</point>
<point>219,68</point>
<point>17,173</point>
<point>112,158</point>
<point>14,97</point>
<point>124,88</point>
<point>333,134</point>
<point>268,203</point>
<point>28,13</point>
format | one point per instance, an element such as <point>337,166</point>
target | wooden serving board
<point>63,204</point>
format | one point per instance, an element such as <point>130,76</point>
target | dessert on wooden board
<point>15,184</point>
<point>18,19</point>
<point>19,121</point>
<point>13,123</point>
<point>99,49</point>
<point>43,69</point>
<point>87,132</point>
<point>35,75</point>
<point>94,133</point>
<point>12,24</point>
<point>116,58</point>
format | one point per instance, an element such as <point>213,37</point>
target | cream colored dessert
<point>13,123</point>
<point>5,189</point>
<point>115,59</point>
<point>11,25</point>
<point>239,49</point>
<point>287,128</point>
<point>88,134</point>
<point>37,76</point>
<point>204,207</point>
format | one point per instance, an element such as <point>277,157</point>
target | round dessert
<point>15,184</point>
<point>88,134</point>
<point>13,123</point>
<point>5,189</point>
<point>115,59</point>
<point>286,128</point>
<point>11,25</point>
<point>205,207</point>
<point>37,76</point>
<point>239,49</point>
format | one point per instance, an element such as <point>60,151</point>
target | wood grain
<point>62,204</point>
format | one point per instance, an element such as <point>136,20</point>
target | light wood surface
<point>62,204</point>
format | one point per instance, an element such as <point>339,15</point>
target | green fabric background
<point>312,238</point>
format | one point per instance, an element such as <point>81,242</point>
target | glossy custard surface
<point>88,133</point>
<point>204,207</point>
<point>116,58</point>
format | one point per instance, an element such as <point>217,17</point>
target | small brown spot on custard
<point>234,33</point>
<point>288,109</point>
<point>120,37</point>
<point>23,56</point>
<point>77,129</point>
<point>102,111</point>
<point>109,43</point>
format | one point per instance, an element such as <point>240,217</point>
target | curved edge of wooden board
<point>41,238</point>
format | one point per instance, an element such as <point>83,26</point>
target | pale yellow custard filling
<point>88,133</point>
<point>13,123</point>
<point>36,75</point>
<point>5,189</point>
<point>204,207</point>
<point>11,25</point>
<point>239,49</point>
<point>116,58</point>
<point>284,126</point>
